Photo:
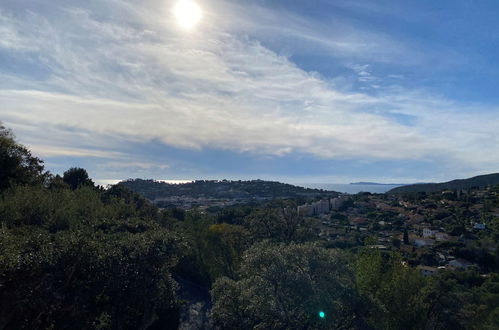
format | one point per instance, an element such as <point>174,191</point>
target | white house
<point>420,242</point>
<point>460,263</point>
<point>427,232</point>
<point>479,225</point>
<point>316,208</point>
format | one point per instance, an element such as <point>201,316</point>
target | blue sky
<point>297,91</point>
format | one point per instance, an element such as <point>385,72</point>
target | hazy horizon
<point>297,183</point>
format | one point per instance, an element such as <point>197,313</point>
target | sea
<point>351,188</point>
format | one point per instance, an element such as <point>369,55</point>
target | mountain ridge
<point>457,184</point>
<point>153,189</point>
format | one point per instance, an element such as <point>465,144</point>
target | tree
<point>279,225</point>
<point>396,242</point>
<point>76,177</point>
<point>285,287</point>
<point>406,237</point>
<point>76,257</point>
<point>227,243</point>
<point>56,182</point>
<point>17,165</point>
<point>399,296</point>
<point>82,257</point>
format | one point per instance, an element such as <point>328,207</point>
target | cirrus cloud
<point>139,78</point>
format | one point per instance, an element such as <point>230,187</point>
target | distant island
<point>460,184</point>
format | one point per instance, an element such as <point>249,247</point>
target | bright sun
<point>188,13</point>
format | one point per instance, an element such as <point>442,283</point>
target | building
<point>305,210</point>
<point>441,237</point>
<point>420,242</point>
<point>336,203</point>
<point>427,270</point>
<point>321,207</point>
<point>460,263</point>
<point>358,221</point>
<point>378,247</point>
<point>315,208</point>
<point>428,232</point>
<point>479,226</point>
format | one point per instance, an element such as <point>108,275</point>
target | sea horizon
<point>350,188</point>
<point>345,188</point>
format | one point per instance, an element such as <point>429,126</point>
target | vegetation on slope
<point>460,184</point>
<point>75,255</point>
<point>152,189</point>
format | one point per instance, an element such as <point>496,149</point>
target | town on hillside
<point>436,231</point>
<point>212,195</point>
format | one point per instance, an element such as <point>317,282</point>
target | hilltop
<point>218,192</point>
<point>460,184</point>
<point>376,184</point>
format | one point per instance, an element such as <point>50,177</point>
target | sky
<point>323,91</point>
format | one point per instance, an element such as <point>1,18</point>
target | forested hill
<point>152,189</point>
<point>73,253</point>
<point>461,184</point>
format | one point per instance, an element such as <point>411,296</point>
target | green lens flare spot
<point>322,314</point>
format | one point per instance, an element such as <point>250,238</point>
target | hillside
<point>74,253</point>
<point>460,184</point>
<point>254,189</point>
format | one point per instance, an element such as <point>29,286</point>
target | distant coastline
<point>350,188</point>
<point>378,184</point>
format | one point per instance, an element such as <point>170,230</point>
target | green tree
<point>227,244</point>
<point>406,237</point>
<point>84,257</point>
<point>285,287</point>
<point>399,296</point>
<point>76,177</point>
<point>17,165</point>
<point>279,225</point>
<point>396,242</point>
<point>67,257</point>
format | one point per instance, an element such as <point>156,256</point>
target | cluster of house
<point>453,264</point>
<point>203,203</point>
<point>321,207</point>
<point>364,215</point>
<point>426,236</point>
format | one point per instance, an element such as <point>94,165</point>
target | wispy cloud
<point>135,164</point>
<point>51,151</point>
<point>133,74</point>
<point>10,38</point>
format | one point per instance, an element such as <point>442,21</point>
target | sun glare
<point>188,13</point>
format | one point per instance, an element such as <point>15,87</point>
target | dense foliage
<point>73,255</point>
<point>460,184</point>
<point>285,286</point>
<point>220,189</point>
<point>98,259</point>
<point>17,165</point>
